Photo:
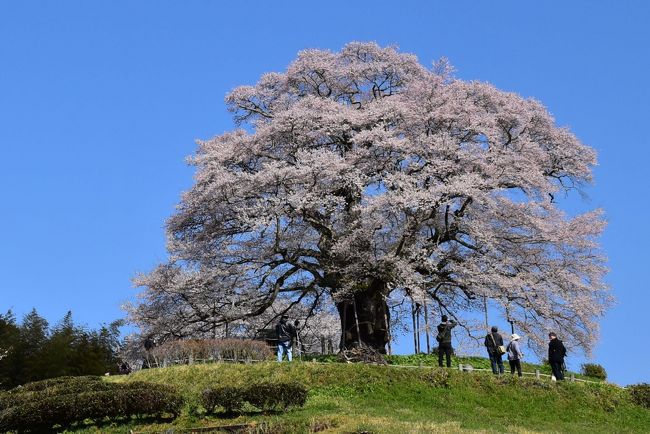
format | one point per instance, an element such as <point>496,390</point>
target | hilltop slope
<point>350,398</point>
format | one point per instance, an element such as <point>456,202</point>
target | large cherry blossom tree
<point>361,172</point>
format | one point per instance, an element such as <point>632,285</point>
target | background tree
<point>9,345</point>
<point>34,334</point>
<point>358,172</point>
<point>35,351</point>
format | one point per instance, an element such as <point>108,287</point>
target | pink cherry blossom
<point>358,173</point>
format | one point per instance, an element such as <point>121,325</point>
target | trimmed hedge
<point>266,396</point>
<point>15,398</point>
<point>269,396</point>
<point>181,351</point>
<point>228,397</point>
<point>55,382</point>
<point>640,394</point>
<point>42,409</point>
<point>64,386</point>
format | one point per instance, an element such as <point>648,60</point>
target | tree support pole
<point>415,338</point>
<point>390,351</point>
<point>487,325</point>
<point>426,325</point>
<point>344,330</point>
<point>417,324</point>
<point>356,321</point>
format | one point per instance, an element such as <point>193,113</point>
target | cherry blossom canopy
<point>358,173</point>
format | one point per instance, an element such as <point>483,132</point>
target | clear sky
<point>100,103</point>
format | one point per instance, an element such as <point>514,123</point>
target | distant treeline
<point>33,350</point>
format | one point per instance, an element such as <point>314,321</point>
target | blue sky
<point>100,103</point>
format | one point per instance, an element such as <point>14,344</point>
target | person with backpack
<point>514,354</point>
<point>494,345</point>
<point>556,355</point>
<point>285,332</point>
<point>444,340</point>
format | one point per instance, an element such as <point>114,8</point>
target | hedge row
<point>211,349</point>
<point>73,388</point>
<point>266,396</point>
<point>52,386</point>
<point>46,407</point>
<point>55,382</point>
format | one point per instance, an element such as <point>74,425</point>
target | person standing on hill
<point>514,354</point>
<point>494,344</point>
<point>149,343</point>
<point>444,340</point>
<point>556,354</point>
<point>285,332</point>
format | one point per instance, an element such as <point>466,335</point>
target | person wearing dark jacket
<point>285,332</point>
<point>556,354</point>
<point>493,341</point>
<point>444,340</point>
<point>149,344</point>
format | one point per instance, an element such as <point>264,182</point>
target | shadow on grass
<point>235,414</point>
<point>115,422</point>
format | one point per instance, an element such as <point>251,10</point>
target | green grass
<point>475,361</point>
<point>351,398</point>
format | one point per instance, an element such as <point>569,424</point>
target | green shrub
<point>269,396</point>
<point>57,405</point>
<point>266,396</point>
<point>640,394</point>
<point>70,386</point>
<point>66,385</point>
<point>228,397</point>
<point>151,400</point>
<point>594,370</point>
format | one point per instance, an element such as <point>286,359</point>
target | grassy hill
<point>352,398</point>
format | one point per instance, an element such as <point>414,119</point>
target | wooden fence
<point>537,373</point>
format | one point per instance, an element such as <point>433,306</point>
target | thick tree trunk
<point>364,318</point>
